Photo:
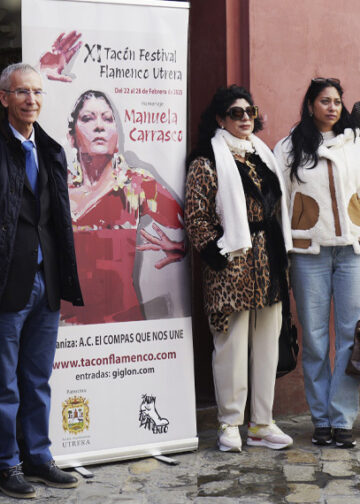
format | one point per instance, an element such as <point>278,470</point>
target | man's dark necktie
<point>32,175</point>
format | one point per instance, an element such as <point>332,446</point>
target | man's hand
<point>174,251</point>
<point>63,49</point>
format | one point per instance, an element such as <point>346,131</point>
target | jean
<point>333,397</point>
<point>27,350</point>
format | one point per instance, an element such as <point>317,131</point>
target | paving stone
<point>132,485</point>
<point>88,491</point>
<point>175,481</point>
<point>303,493</point>
<point>299,472</point>
<point>144,466</point>
<point>349,500</point>
<point>335,454</point>
<point>260,498</point>
<point>260,458</point>
<point>357,454</point>
<point>169,497</point>
<point>216,500</point>
<point>338,468</point>
<point>340,487</point>
<point>92,499</point>
<point>254,477</point>
<point>270,465</point>
<point>300,457</point>
<point>215,455</point>
<point>218,466</point>
<point>215,487</point>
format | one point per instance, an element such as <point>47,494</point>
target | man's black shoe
<point>343,438</point>
<point>322,436</point>
<point>50,474</point>
<point>13,483</point>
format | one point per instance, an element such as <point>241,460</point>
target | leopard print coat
<point>247,282</point>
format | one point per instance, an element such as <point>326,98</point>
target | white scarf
<point>230,197</point>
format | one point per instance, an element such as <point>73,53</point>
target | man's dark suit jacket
<point>22,225</point>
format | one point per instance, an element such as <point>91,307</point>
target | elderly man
<point>37,269</point>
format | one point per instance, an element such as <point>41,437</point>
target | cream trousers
<point>250,342</point>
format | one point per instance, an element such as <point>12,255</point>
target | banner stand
<point>115,76</point>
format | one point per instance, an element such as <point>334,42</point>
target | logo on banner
<point>75,414</point>
<point>149,417</point>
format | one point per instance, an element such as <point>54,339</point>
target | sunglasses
<point>321,80</point>
<point>237,113</point>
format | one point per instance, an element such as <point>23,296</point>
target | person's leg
<point>10,331</point>
<point>311,280</point>
<point>12,482</point>
<point>36,356</point>
<point>230,369</point>
<point>344,390</point>
<point>265,330</point>
<point>264,355</point>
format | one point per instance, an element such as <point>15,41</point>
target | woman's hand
<point>63,49</point>
<point>174,251</point>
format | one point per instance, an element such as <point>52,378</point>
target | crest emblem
<point>75,414</point>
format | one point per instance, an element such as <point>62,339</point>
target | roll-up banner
<point>115,77</point>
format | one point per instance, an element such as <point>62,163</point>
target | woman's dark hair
<point>219,105</point>
<point>305,137</point>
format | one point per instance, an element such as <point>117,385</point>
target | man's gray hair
<point>5,77</point>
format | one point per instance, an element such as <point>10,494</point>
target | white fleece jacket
<point>325,208</point>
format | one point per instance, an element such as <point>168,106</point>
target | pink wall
<point>292,42</point>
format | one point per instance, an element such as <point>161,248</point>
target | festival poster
<point>115,75</point>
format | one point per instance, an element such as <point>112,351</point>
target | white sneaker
<point>268,435</point>
<point>229,438</point>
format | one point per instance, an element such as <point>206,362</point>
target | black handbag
<point>353,366</point>
<point>288,344</point>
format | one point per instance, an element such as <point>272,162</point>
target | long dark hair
<point>223,98</point>
<point>305,137</point>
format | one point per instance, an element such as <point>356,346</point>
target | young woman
<point>232,204</point>
<point>321,164</point>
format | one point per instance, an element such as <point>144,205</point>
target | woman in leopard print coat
<point>236,217</point>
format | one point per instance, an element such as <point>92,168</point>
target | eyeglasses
<point>332,80</point>
<point>22,93</point>
<point>237,113</point>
